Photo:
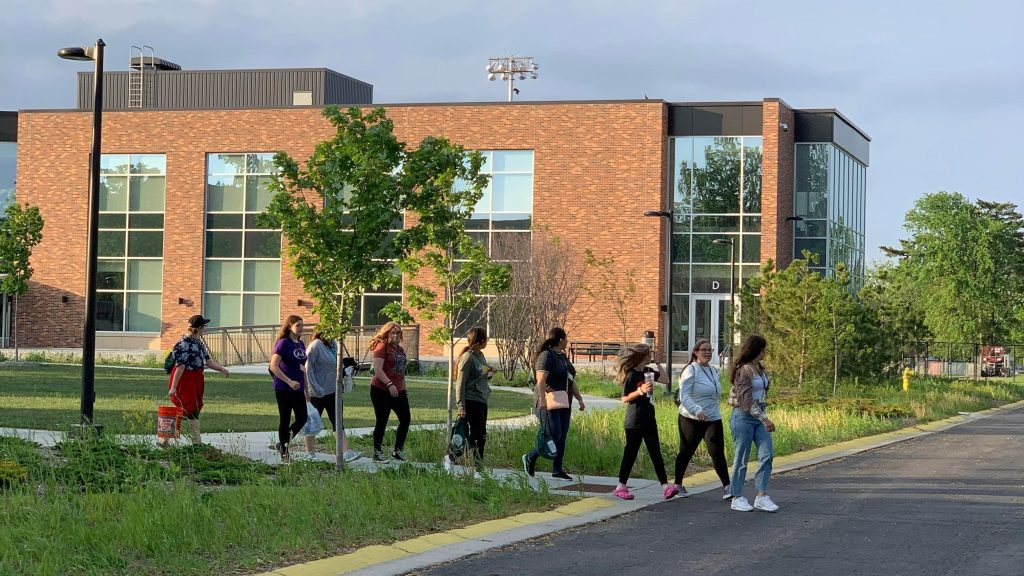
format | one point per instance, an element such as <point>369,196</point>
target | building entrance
<point>709,318</point>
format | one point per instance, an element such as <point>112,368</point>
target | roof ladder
<point>142,59</point>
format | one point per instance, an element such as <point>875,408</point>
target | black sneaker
<point>398,455</point>
<point>563,475</point>
<point>528,466</point>
<point>379,457</point>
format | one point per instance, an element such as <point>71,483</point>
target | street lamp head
<point>795,219</point>
<point>661,213</point>
<point>74,53</point>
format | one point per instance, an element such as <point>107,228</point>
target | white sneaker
<point>477,476</point>
<point>726,492</point>
<point>351,455</point>
<point>449,466</point>
<point>765,503</point>
<point>740,504</point>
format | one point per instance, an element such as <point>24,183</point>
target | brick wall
<point>598,167</point>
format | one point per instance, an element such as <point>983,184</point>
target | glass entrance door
<point>709,318</point>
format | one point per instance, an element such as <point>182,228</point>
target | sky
<point>937,85</point>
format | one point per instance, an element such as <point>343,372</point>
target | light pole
<point>731,241</point>
<point>668,215</point>
<point>94,53</point>
<point>508,66</point>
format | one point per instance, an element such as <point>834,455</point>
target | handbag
<point>556,399</point>
<point>314,423</point>
<point>348,381</point>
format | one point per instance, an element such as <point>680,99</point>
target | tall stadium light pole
<point>94,53</point>
<point>731,241</point>
<point>507,67</point>
<point>668,293</point>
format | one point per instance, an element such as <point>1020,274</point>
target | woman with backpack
<point>700,391</point>
<point>637,381</point>
<point>187,385</point>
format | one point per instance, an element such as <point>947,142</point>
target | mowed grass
<point>48,397</point>
<point>804,420</point>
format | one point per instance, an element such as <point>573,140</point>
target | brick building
<point>184,177</point>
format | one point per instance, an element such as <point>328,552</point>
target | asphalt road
<point>951,503</point>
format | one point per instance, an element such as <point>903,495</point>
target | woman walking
<point>187,384</point>
<point>321,386</point>
<point>552,399</point>
<point>472,390</point>
<point>700,391</point>
<point>387,389</point>
<point>751,425</point>
<point>287,365</point>
<point>637,381</point>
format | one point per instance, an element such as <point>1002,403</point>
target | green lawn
<point>48,398</point>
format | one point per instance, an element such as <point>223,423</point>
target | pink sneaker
<point>623,493</point>
<point>670,491</point>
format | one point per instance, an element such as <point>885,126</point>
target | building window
<point>242,280</point>
<point>129,268</point>
<point>8,170</point>
<point>829,194</point>
<point>502,219</point>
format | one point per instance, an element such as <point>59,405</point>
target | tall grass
<point>97,506</point>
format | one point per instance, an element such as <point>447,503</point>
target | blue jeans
<point>747,430</point>
<point>557,422</point>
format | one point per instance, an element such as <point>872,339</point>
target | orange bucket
<point>168,422</point>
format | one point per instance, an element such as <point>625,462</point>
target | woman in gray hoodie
<point>322,381</point>
<point>700,417</point>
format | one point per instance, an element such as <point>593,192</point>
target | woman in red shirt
<point>387,389</point>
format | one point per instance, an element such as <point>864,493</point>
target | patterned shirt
<point>191,353</point>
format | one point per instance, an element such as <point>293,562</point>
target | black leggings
<point>690,433</point>
<point>322,404</point>
<point>634,437</point>
<point>383,405</point>
<point>289,401</point>
<point>476,417</point>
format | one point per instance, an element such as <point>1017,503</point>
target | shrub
<point>11,474</point>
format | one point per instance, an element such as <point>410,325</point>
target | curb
<point>428,550</point>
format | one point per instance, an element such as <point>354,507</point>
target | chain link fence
<point>965,360</point>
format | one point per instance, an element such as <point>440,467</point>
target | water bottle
<point>649,379</point>
<point>551,447</point>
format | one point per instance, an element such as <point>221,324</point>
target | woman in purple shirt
<point>288,366</point>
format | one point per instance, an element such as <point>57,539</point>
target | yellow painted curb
<point>378,554</point>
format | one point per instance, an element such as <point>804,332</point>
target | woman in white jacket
<point>700,417</point>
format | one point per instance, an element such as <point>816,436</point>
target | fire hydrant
<point>906,378</point>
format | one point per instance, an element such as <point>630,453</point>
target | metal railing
<point>235,345</point>
<point>963,359</point>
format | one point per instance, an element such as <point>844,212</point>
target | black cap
<point>198,321</point>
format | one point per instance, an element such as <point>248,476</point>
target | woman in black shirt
<point>637,381</point>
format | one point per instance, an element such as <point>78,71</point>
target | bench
<point>593,350</point>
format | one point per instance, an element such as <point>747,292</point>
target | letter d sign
<point>715,285</point>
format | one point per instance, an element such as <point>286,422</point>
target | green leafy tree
<point>339,211</point>
<point>838,312</point>
<point>456,277</point>
<point>21,229</point>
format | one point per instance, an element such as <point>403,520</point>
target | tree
<point>839,312</point>
<point>21,230</point>
<point>616,287</point>
<point>341,213</point>
<point>548,278</point>
<point>448,187</point>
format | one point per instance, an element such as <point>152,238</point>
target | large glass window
<point>8,169</point>
<point>129,267</point>
<point>829,194</point>
<point>502,219</point>
<point>242,278</point>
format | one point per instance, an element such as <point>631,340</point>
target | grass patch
<point>98,506</point>
<point>805,420</point>
<point>48,398</point>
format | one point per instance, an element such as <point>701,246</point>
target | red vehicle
<point>993,361</point>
